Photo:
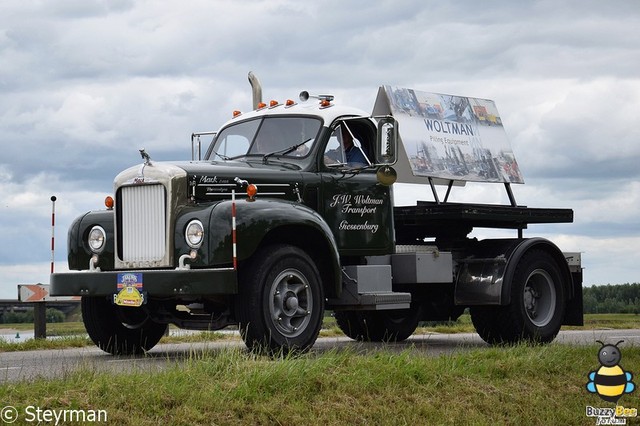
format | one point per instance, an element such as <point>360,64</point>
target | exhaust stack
<point>256,89</point>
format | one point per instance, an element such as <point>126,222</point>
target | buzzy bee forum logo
<point>610,382</point>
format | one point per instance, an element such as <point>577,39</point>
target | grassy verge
<point>515,385</point>
<point>616,321</point>
<point>53,329</point>
<point>39,344</point>
<point>74,335</point>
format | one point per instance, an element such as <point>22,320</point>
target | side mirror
<point>387,141</point>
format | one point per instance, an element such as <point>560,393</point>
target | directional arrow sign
<point>40,293</point>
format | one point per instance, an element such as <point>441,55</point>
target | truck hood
<point>241,169</point>
<point>229,169</point>
<point>213,181</point>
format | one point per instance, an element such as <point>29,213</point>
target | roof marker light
<point>273,103</point>
<point>236,113</point>
<point>289,103</point>
<point>325,103</point>
<point>261,105</point>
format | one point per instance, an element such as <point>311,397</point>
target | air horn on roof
<point>304,96</point>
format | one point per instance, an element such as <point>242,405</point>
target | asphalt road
<point>17,366</point>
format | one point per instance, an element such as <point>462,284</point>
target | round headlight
<point>97,239</point>
<point>194,234</point>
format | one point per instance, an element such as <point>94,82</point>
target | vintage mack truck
<point>289,212</point>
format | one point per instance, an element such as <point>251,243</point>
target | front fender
<point>554,251</point>
<point>268,221</point>
<point>78,253</point>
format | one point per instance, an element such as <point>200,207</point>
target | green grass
<point>74,334</point>
<point>83,340</point>
<point>524,385</point>
<point>53,329</point>
<point>617,321</point>
<point>40,344</point>
<point>203,336</point>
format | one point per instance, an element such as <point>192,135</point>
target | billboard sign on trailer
<point>450,137</point>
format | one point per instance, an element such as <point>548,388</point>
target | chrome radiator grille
<point>142,231</point>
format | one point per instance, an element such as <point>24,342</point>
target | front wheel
<point>119,330</point>
<point>280,304</point>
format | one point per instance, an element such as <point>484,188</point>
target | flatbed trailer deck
<point>433,219</point>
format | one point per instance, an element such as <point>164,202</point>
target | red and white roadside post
<point>40,308</point>
<point>53,227</point>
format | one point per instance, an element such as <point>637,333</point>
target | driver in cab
<point>349,152</point>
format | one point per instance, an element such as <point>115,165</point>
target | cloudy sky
<point>85,83</point>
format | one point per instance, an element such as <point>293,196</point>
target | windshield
<point>267,135</point>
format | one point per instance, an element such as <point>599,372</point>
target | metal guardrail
<point>37,295</point>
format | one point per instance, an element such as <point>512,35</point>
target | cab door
<point>355,206</point>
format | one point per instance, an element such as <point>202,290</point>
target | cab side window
<point>347,146</point>
<point>334,154</point>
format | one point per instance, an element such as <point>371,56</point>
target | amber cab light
<point>108,202</point>
<point>325,103</point>
<point>273,104</point>
<point>290,103</point>
<point>252,190</point>
<point>236,113</point>
<point>261,105</point>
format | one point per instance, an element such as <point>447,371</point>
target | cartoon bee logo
<point>610,381</point>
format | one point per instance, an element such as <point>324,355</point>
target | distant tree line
<point>612,299</point>
<point>53,315</point>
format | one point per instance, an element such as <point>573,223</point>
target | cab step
<point>368,287</point>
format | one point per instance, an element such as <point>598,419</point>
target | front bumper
<point>191,282</point>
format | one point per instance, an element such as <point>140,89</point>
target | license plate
<point>129,290</point>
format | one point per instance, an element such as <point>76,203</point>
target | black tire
<point>352,324</point>
<point>119,330</point>
<point>379,326</point>
<point>537,304</point>
<point>397,325</point>
<point>485,321</point>
<point>280,304</point>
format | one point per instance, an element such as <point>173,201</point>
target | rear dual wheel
<point>537,304</point>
